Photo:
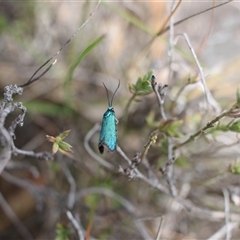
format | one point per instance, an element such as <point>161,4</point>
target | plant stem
<point>207,126</point>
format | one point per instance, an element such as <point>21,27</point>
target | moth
<point>108,133</point>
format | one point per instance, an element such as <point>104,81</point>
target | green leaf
<point>66,147</point>
<point>143,85</point>
<point>55,148</point>
<point>64,134</point>
<point>238,97</point>
<point>150,119</point>
<point>63,232</point>
<point>131,18</point>
<point>170,127</point>
<point>235,168</point>
<point>92,200</point>
<point>182,161</point>
<point>48,108</point>
<point>235,127</point>
<point>85,52</point>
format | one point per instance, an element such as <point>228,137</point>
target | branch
<point>76,225</point>
<point>100,160</point>
<point>209,98</point>
<point>34,77</point>
<point>207,126</point>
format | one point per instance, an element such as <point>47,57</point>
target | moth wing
<point>108,134</point>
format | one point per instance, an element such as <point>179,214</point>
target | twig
<point>136,173</point>
<point>160,228</point>
<point>18,121</point>
<point>71,180</point>
<point>173,10</point>
<point>226,202</point>
<point>191,16</point>
<point>158,95</point>
<point>171,41</point>
<point>162,31</point>
<point>9,91</point>
<point>222,231</point>
<point>76,225</point>
<point>6,151</point>
<point>22,165</point>
<point>209,98</point>
<point>169,168</point>
<point>41,155</point>
<point>33,78</point>
<point>207,126</point>
<point>14,219</point>
<point>87,138</point>
<point>169,165</point>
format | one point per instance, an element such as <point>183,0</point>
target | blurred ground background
<point>31,32</point>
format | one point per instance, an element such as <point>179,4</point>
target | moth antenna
<point>107,95</point>
<point>115,92</point>
<point>33,78</point>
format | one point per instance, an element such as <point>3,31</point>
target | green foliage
<point>235,168</point>
<point>182,161</point>
<point>54,166</point>
<point>233,126</point>
<point>83,54</point>
<point>49,109</point>
<point>63,232</point>
<point>59,144</point>
<point>130,18</point>
<point>150,120</point>
<point>91,200</point>
<point>163,145</point>
<point>3,23</point>
<point>170,127</point>
<point>238,97</point>
<point>142,86</point>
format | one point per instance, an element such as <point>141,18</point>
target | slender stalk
<point>207,126</point>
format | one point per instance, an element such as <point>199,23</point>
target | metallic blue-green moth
<point>108,133</point>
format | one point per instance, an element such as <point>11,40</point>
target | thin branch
<point>22,165</point>
<point>71,180</point>
<point>87,138</point>
<point>209,98</point>
<point>6,151</point>
<point>40,155</point>
<point>136,173</point>
<point>76,225</point>
<point>160,228</point>
<point>169,165</point>
<point>191,16</point>
<point>222,231</point>
<point>226,202</point>
<point>18,121</point>
<point>14,219</point>
<point>33,78</point>
<point>9,91</point>
<point>160,98</point>
<point>169,168</point>
<point>203,129</point>
<point>173,11</point>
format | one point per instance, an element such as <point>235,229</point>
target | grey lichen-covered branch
<point>7,106</point>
